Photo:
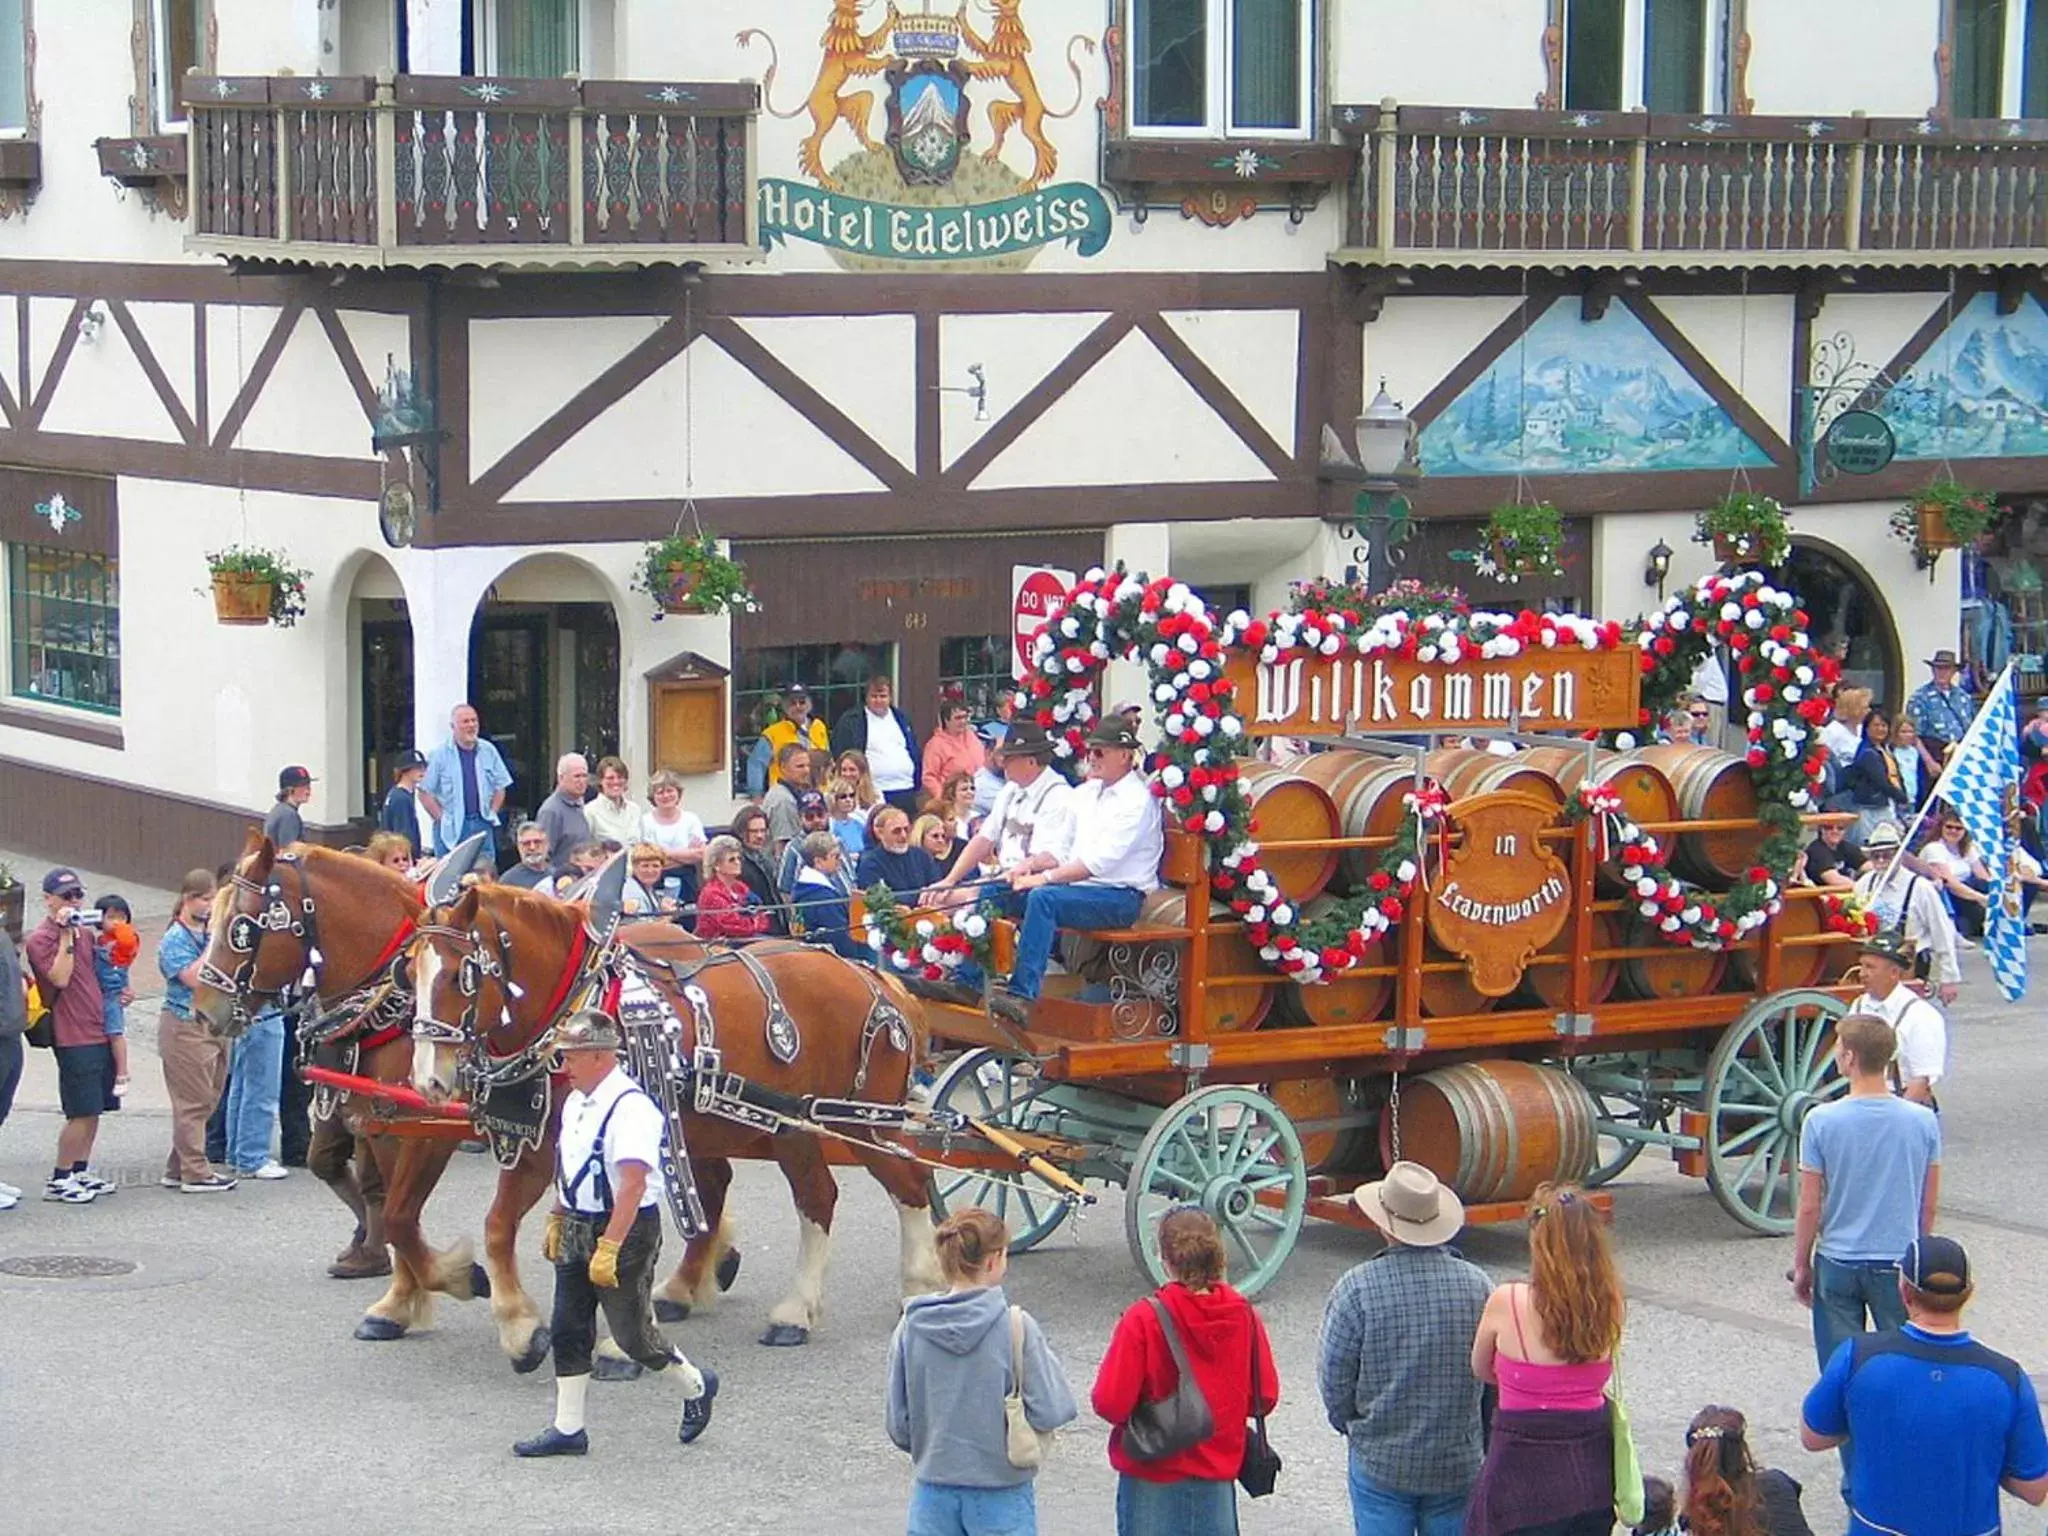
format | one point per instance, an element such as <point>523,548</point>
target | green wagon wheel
<point>1613,1154</point>
<point>1003,1090</point>
<point>1769,1069</point>
<point>1234,1153</point>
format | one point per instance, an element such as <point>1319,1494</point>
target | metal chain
<point>1394,1113</point>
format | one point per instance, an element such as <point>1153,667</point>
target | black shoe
<point>697,1411</point>
<point>552,1442</point>
<point>941,991</point>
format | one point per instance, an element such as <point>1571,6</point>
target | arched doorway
<point>381,641</point>
<point>544,670</point>
<point>1841,600</point>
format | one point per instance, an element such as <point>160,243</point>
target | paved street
<point>216,1388</point>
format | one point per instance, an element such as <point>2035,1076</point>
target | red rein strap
<point>571,974</point>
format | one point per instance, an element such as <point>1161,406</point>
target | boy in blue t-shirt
<point>1940,1423</point>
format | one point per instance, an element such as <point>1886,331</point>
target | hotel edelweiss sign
<point>934,193</point>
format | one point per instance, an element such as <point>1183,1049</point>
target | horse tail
<point>1087,45</point>
<point>746,37</point>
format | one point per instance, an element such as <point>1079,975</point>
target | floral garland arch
<point>1164,625</point>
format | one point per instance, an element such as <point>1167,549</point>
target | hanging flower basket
<point>256,586</point>
<point>1746,528</point>
<point>241,599</point>
<point>1519,539</point>
<point>686,573</point>
<point>1945,516</point>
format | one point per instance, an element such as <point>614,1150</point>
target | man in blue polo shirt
<point>1940,1422</point>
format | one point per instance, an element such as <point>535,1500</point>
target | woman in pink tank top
<point>1548,1344</point>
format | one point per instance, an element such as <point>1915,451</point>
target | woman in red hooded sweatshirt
<point>1191,1492</point>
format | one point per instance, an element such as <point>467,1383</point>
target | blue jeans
<point>1049,908</point>
<point>1377,1511</point>
<point>1189,1506</point>
<point>487,857</point>
<point>947,1509</point>
<point>257,1067</point>
<point>1842,1294</point>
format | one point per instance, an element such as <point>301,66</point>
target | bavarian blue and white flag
<point>1982,781</point>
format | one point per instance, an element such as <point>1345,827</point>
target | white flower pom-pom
<point>924,928</point>
<point>1625,740</point>
<point>1231,726</point>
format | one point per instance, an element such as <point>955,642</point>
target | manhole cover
<point>64,1266</point>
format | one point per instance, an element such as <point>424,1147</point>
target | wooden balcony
<point>1451,186</point>
<point>427,171</point>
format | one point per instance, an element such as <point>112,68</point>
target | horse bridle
<point>490,959</point>
<point>245,935</point>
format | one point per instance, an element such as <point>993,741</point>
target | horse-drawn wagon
<point>1516,964</point>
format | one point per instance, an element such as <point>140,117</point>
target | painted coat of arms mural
<point>929,193</point>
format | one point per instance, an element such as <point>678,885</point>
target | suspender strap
<point>593,1165</point>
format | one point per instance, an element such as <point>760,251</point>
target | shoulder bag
<point>1025,1446</point>
<point>1628,1470</point>
<point>1260,1468</point>
<point>1177,1421</point>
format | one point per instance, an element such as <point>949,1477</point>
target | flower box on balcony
<point>1222,180</point>
<point>143,162</point>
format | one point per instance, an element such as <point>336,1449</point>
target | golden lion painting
<point>851,55</point>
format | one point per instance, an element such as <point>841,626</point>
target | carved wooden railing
<point>430,171</point>
<point>1476,184</point>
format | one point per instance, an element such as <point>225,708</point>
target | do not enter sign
<point>1037,594</point>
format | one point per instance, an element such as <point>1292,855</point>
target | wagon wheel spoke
<point>1766,1091</point>
<point>1742,1139</point>
<point>1244,1246</point>
<point>1267,1218</point>
<point>1766,1060</point>
<point>1000,1089</point>
<point>1749,1166</point>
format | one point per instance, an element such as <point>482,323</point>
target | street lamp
<point>1384,473</point>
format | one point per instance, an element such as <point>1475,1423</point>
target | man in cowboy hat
<point>1029,829</point>
<point>1941,710</point>
<point>1109,869</point>
<point>1396,1370</point>
<point>1910,903</point>
<point>604,1234</point>
<point>1887,960</point>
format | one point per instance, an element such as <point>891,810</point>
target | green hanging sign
<point>1860,442</point>
<point>1071,211</point>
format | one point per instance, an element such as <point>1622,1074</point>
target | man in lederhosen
<point>604,1235</point>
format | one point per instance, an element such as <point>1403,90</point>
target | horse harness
<point>373,1013</point>
<point>681,1069</point>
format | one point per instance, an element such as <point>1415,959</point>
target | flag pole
<point>1956,756</point>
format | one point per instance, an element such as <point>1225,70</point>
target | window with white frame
<point>177,44</point>
<point>1222,68</point>
<point>1998,58</point>
<point>1659,55</point>
<point>64,627</point>
<point>14,105</point>
<point>529,39</point>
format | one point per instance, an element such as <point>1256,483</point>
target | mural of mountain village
<point>1579,397</point>
<point>1981,391</point>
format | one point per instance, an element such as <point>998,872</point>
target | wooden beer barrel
<point>1646,795</point>
<point>1229,1008</point>
<point>1307,1099</point>
<point>1552,983</point>
<point>1449,993</point>
<point>1711,785</point>
<point>1676,970</point>
<point>1467,771</point>
<point>1367,790</point>
<point>1287,805</point>
<point>1494,1130</point>
<point>1803,967</point>
<point>1352,1000</point>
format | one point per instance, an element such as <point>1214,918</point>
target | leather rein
<point>374,997</point>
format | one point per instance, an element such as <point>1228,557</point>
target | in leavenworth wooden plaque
<point>1503,895</point>
<point>1539,690</point>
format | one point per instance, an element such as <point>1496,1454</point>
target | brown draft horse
<point>341,919</point>
<point>500,968</point>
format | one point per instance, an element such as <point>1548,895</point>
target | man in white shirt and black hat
<point>1912,904</point>
<point>604,1235</point>
<point>1112,866</point>
<point>1028,830</point>
<point>1922,1055</point>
